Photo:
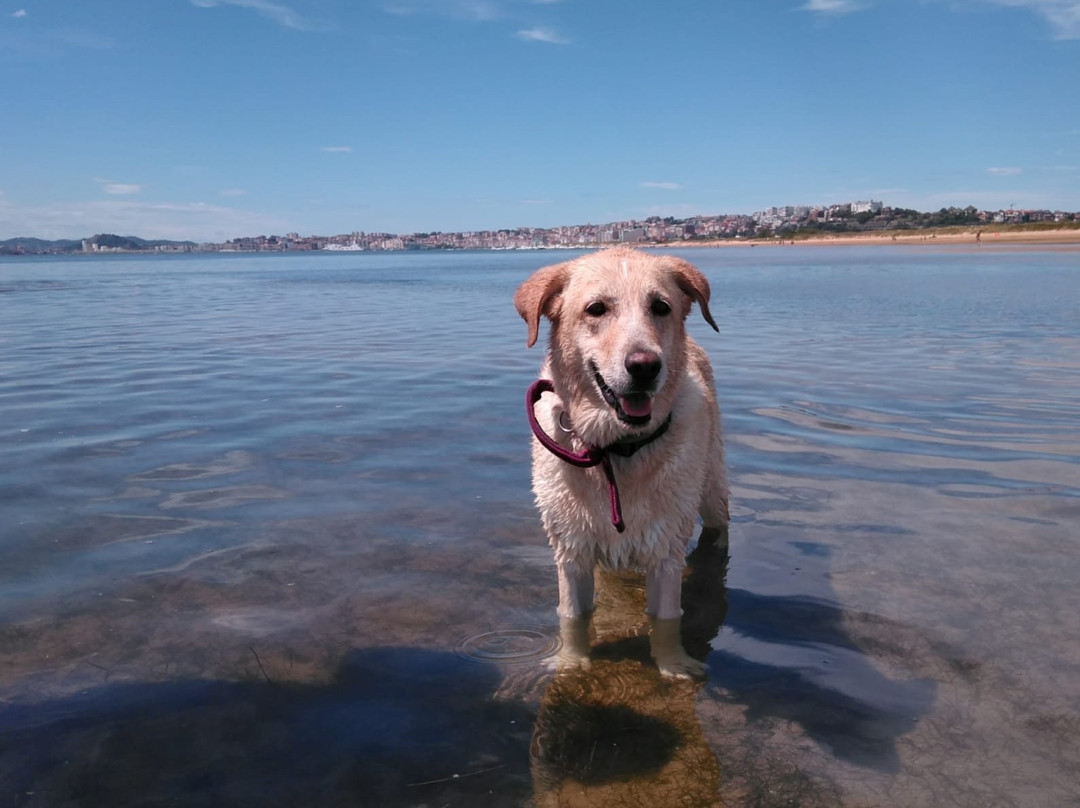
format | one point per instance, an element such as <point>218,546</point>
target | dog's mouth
<point>633,408</point>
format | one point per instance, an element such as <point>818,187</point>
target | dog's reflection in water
<point>611,730</point>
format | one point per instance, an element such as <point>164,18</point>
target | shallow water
<point>267,538</point>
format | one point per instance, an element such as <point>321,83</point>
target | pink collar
<point>593,455</point>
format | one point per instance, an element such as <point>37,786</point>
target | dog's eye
<point>660,308</point>
<point>597,309</point>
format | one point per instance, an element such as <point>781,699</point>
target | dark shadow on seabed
<point>395,727</point>
<point>793,660</point>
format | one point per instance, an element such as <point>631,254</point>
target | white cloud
<point>281,14</point>
<point>118,188</point>
<point>1063,15</point>
<point>337,149</point>
<point>232,192</point>
<point>476,10</point>
<point>19,14</point>
<point>664,186</point>
<point>830,6</point>
<point>1008,171</point>
<point>542,34</point>
<point>523,201</point>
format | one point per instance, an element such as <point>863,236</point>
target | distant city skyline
<point>207,120</point>
<point>783,222</point>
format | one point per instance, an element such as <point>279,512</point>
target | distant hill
<point>100,242</point>
<point>37,245</point>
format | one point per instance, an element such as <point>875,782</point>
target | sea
<point>267,538</point>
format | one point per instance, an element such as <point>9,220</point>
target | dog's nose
<point>643,366</point>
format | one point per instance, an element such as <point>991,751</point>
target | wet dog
<point>628,450</point>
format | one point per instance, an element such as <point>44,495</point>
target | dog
<point>627,450</point>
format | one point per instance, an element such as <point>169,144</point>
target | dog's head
<point>618,328</point>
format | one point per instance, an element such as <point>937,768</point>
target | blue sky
<point>210,119</point>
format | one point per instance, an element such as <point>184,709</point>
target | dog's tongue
<point>636,406</point>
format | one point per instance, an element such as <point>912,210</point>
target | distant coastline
<point>1067,238</point>
<point>863,223</point>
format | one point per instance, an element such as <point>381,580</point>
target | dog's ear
<point>538,295</point>
<point>695,284</point>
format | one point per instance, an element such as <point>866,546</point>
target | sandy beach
<point>1067,238</point>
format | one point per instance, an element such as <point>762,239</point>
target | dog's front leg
<point>576,594</point>
<point>575,588</point>
<point>663,592</point>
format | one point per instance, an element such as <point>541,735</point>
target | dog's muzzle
<point>633,407</point>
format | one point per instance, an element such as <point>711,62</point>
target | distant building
<point>866,207</point>
<point>633,234</point>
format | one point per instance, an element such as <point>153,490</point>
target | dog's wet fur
<point>621,363</point>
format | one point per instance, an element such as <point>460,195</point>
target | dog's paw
<point>681,666</point>
<point>667,651</point>
<point>575,645</point>
<point>567,662</point>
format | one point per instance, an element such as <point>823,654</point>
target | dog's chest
<point>659,488</point>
